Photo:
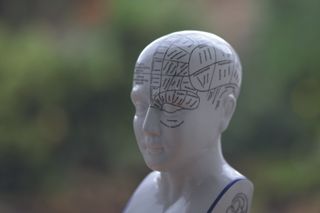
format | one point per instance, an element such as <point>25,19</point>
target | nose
<point>151,123</point>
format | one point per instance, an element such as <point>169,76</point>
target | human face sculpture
<point>179,82</point>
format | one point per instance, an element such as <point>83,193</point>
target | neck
<point>207,165</point>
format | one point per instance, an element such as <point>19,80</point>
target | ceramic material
<point>185,90</point>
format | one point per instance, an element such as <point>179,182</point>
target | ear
<point>228,107</point>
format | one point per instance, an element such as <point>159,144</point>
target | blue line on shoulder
<point>226,188</point>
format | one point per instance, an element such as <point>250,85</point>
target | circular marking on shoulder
<point>239,204</point>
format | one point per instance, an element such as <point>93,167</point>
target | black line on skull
<point>182,56</point>
<point>171,126</point>
<point>172,52</point>
<point>214,67</point>
<point>223,92</point>
<point>205,54</point>
<point>209,53</point>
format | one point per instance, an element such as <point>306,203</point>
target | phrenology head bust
<point>184,90</point>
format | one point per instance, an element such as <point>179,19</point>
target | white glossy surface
<point>184,90</point>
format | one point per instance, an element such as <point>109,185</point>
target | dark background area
<point>66,138</point>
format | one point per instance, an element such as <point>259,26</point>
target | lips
<point>153,145</point>
<point>155,150</point>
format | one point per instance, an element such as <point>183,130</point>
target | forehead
<point>142,74</point>
<point>141,81</point>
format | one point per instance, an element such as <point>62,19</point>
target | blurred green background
<point>66,140</point>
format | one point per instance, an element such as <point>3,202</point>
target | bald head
<point>178,67</point>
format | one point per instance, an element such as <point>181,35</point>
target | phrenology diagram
<point>184,66</point>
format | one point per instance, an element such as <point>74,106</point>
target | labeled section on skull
<point>174,100</point>
<point>182,67</point>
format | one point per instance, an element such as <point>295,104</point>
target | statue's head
<point>184,90</point>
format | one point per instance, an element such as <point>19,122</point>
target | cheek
<point>173,139</point>
<point>196,127</point>
<point>138,131</point>
<point>137,125</point>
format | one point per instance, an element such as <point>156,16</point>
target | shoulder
<point>144,193</point>
<point>236,179</point>
<point>235,197</point>
<point>239,197</point>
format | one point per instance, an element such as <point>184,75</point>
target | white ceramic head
<point>184,90</point>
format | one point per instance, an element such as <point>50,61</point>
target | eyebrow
<point>137,94</point>
<point>133,95</point>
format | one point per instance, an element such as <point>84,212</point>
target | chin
<point>160,167</point>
